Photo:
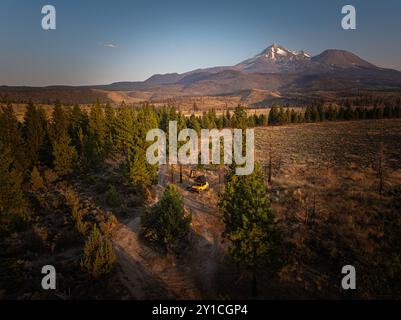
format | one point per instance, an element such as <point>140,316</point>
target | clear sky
<point>99,42</point>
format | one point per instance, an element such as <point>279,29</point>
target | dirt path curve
<point>148,274</point>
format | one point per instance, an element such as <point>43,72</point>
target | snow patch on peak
<point>302,53</point>
<point>276,51</point>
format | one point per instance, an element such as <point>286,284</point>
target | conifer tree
<point>166,223</point>
<point>141,174</point>
<point>308,114</point>
<point>78,128</point>
<point>64,155</point>
<point>228,123</point>
<point>273,118</point>
<point>124,129</point>
<point>35,128</point>
<point>240,119</point>
<point>99,257</point>
<point>11,136</point>
<point>37,182</point>
<point>205,123</point>
<point>60,122</point>
<point>97,129</point>
<point>91,158</point>
<point>13,206</point>
<point>194,123</point>
<point>249,222</point>
<point>110,127</point>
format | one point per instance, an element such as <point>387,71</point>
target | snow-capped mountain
<point>276,52</point>
<point>274,72</point>
<point>275,59</point>
<point>275,69</point>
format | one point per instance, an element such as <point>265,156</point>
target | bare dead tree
<point>380,167</point>
<point>180,173</point>
<point>270,168</point>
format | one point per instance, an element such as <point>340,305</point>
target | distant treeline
<point>281,115</point>
<point>371,100</point>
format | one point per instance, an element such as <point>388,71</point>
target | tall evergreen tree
<point>99,257</point>
<point>78,128</point>
<point>240,118</point>
<point>249,222</point>
<point>140,173</point>
<point>166,223</point>
<point>64,155</point>
<point>60,122</point>
<point>11,136</point>
<point>13,206</point>
<point>97,128</point>
<point>124,129</point>
<point>35,128</point>
<point>273,118</point>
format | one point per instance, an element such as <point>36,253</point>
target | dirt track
<point>149,274</point>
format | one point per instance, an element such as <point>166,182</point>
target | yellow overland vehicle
<point>200,185</point>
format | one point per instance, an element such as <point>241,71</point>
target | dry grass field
<point>325,193</point>
<point>325,190</point>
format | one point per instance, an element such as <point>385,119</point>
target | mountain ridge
<point>275,71</point>
<point>274,59</point>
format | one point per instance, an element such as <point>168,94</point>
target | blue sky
<point>99,42</point>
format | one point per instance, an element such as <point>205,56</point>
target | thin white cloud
<point>109,45</point>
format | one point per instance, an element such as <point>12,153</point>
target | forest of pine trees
<point>73,140</point>
<point>319,113</point>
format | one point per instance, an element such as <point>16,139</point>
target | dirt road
<point>148,274</point>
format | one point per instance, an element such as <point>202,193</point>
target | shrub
<point>113,197</point>
<point>80,225</point>
<point>99,257</point>
<point>108,224</point>
<point>50,176</point>
<point>72,200</point>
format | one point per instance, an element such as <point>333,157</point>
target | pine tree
<point>227,120</point>
<point>140,173</point>
<point>97,129</point>
<point>273,118</point>
<point>124,129</point>
<point>194,123</point>
<point>240,118</point>
<point>13,206</point>
<point>78,128</point>
<point>99,257</point>
<point>64,155</point>
<point>60,122</point>
<point>35,128</point>
<point>166,223</point>
<point>308,114</point>
<point>11,136</point>
<point>37,182</point>
<point>249,222</point>
<point>205,123</point>
<point>92,158</point>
